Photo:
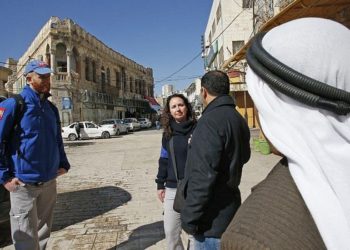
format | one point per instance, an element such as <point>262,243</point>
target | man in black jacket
<point>217,151</point>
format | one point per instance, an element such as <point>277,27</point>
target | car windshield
<point>90,125</point>
<point>107,122</point>
<point>142,119</point>
<point>128,120</point>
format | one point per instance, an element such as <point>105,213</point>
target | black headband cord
<point>294,84</point>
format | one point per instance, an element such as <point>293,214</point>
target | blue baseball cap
<point>38,67</point>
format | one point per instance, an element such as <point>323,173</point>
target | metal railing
<point>264,10</point>
<point>106,99</point>
<point>61,77</point>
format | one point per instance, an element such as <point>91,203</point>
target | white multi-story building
<point>193,94</point>
<point>229,27</point>
<point>269,14</point>
<point>167,90</point>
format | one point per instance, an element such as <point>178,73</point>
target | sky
<point>161,34</point>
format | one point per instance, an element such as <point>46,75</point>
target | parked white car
<point>133,124</point>
<point>145,123</point>
<point>87,130</point>
<point>117,125</point>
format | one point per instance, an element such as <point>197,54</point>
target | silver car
<point>145,123</point>
<point>132,123</point>
<point>118,125</point>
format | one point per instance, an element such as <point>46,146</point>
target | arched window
<point>94,71</point>
<point>47,55</point>
<point>117,80</point>
<point>61,57</point>
<point>123,79</point>
<point>108,76</point>
<point>103,75</point>
<point>140,87</point>
<point>131,84</point>
<point>75,63</point>
<point>87,69</point>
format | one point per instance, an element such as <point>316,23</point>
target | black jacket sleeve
<point>162,166</point>
<point>202,169</point>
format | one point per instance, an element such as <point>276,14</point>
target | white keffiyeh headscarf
<point>316,142</point>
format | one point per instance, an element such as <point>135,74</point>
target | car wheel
<point>117,133</point>
<point>72,137</point>
<point>105,135</point>
<point>127,131</point>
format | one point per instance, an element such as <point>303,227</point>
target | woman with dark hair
<point>178,121</point>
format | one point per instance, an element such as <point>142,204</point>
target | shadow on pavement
<point>5,234</point>
<point>74,207</point>
<point>77,143</point>
<point>143,237</point>
<point>5,229</point>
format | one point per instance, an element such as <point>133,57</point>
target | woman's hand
<point>161,194</point>
<point>12,184</point>
<point>61,171</point>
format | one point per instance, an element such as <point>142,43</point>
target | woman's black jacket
<point>181,134</point>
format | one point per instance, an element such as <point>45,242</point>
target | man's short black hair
<point>216,82</point>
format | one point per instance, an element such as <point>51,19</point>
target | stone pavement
<point>108,199</point>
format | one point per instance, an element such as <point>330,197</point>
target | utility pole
<point>253,3</point>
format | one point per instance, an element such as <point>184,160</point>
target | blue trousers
<point>202,243</point>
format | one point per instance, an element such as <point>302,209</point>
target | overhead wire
<point>177,71</point>
<point>197,55</point>
<point>182,78</point>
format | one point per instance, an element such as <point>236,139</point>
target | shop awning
<point>338,10</point>
<point>152,100</point>
<point>153,104</point>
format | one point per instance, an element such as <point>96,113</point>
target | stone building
<point>4,73</point>
<point>91,81</point>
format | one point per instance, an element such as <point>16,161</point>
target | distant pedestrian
<point>31,158</point>
<point>304,112</point>
<point>157,124</point>
<point>218,149</point>
<point>178,121</point>
<point>77,129</point>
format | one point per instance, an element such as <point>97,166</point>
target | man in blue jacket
<point>217,151</point>
<point>31,157</point>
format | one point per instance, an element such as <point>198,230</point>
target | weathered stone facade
<point>91,81</point>
<point>4,73</point>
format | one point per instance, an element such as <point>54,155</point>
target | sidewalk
<point>108,199</point>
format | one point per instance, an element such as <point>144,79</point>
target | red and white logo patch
<point>43,65</point>
<point>2,111</point>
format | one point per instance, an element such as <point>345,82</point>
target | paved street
<point>108,199</point>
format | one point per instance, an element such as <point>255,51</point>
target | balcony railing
<point>61,77</point>
<point>106,99</point>
<point>265,9</point>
